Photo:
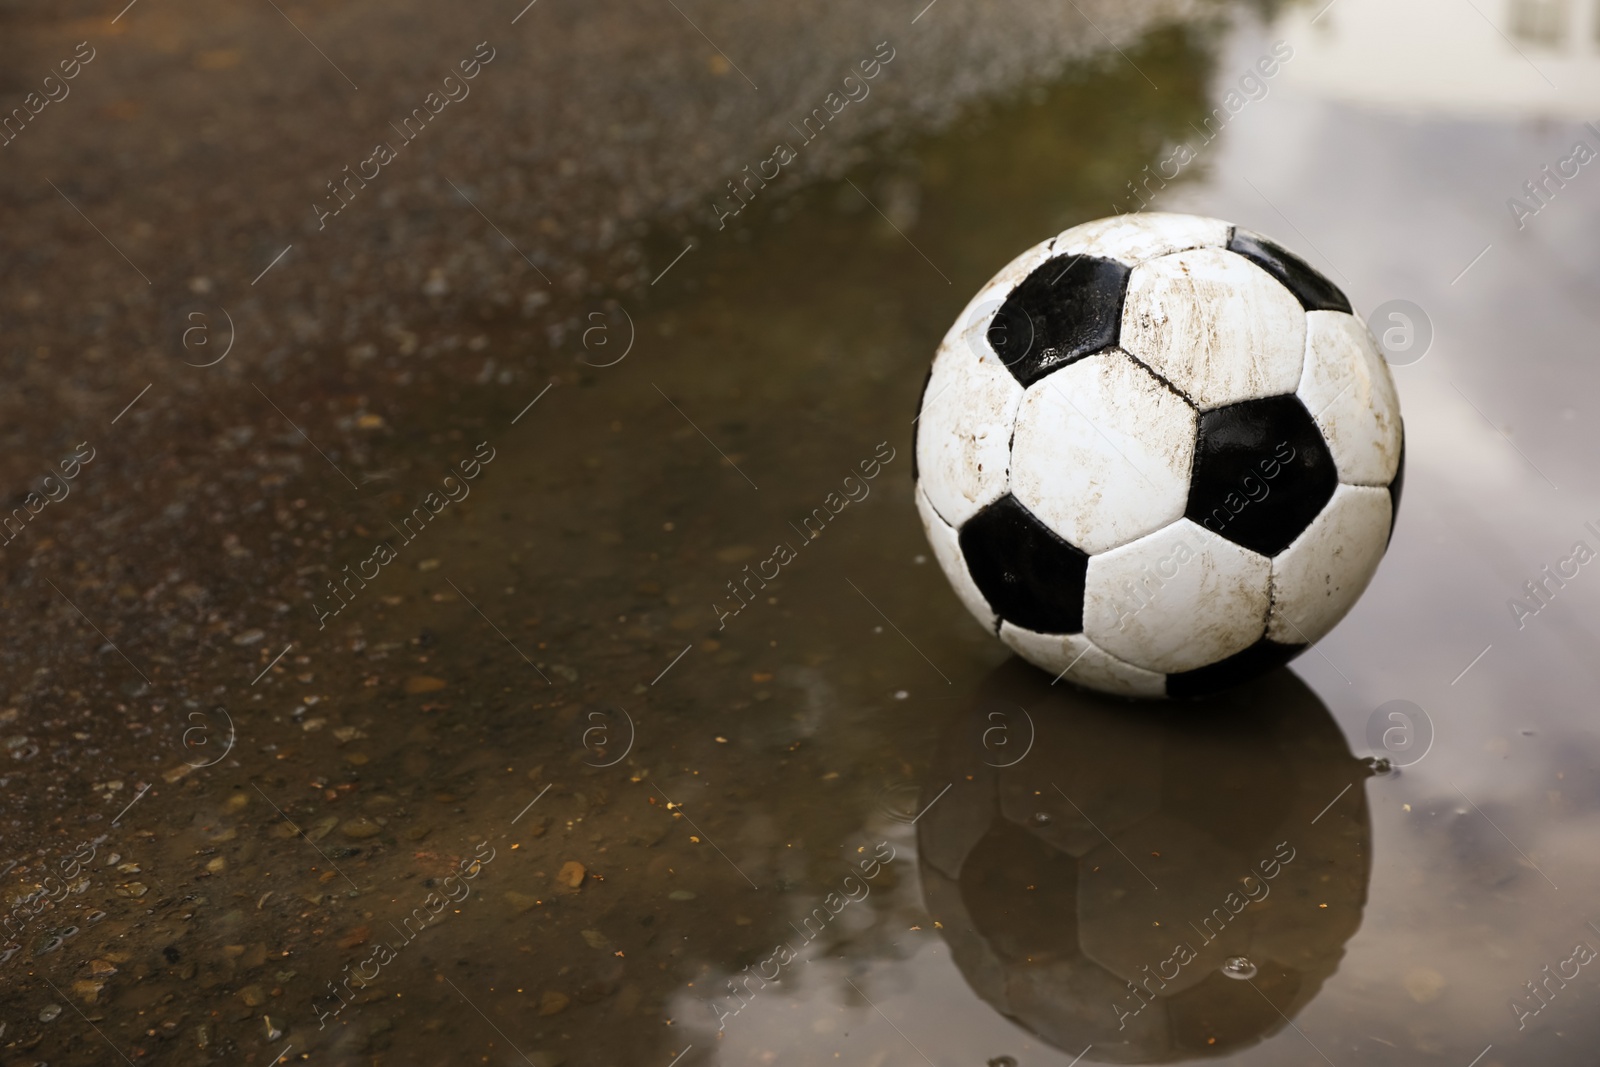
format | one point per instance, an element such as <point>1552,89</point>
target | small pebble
<point>360,828</point>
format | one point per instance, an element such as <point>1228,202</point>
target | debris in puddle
<point>1239,968</point>
<point>88,989</point>
<point>522,901</point>
<point>359,936</point>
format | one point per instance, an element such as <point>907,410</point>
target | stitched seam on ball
<point>1174,390</point>
<point>1272,600</point>
<point>1011,441</point>
<point>953,528</point>
<point>1114,658</point>
<point>1181,516</point>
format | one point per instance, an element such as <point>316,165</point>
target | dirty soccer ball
<point>1160,454</point>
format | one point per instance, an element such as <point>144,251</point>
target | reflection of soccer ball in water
<point>1039,873</point>
<point>1159,453</point>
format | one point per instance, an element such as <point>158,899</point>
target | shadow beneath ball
<point>1159,882</point>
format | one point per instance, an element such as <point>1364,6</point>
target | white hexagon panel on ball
<point>963,437</point>
<point>1216,326</point>
<point>1347,388</point>
<point>1176,599</point>
<point>1102,452</point>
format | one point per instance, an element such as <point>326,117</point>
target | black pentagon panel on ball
<point>1315,292</point>
<point>1262,472</point>
<point>1030,576</point>
<point>1263,656</point>
<point>1069,307</point>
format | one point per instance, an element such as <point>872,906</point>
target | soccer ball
<point>1158,455</point>
<point>1159,886</point>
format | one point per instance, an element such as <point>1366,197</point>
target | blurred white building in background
<point>1531,58</point>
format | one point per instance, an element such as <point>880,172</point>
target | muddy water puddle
<point>630,721</point>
